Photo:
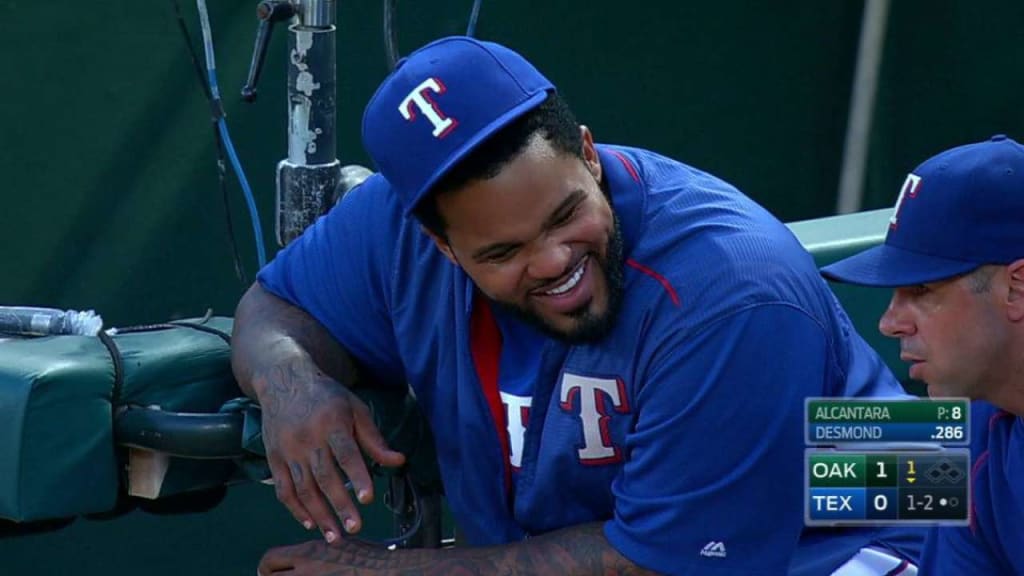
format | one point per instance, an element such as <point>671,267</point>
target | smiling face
<point>954,332</point>
<point>540,239</point>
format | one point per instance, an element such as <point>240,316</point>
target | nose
<point>896,321</point>
<point>549,260</point>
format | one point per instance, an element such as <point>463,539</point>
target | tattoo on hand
<point>297,475</point>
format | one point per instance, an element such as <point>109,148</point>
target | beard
<point>588,327</point>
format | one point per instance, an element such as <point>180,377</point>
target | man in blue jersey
<point>612,348</point>
<point>954,253</point>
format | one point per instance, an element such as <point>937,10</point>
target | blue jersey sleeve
<point>339,270</point>
<point>955,551</point>
<point>713,484</point>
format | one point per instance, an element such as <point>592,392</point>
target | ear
<point>442,245</point>
<point>1015,290</point>
<point>590,156</point>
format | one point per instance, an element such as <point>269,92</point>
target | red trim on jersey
<point>972,519</point>
<point>627,164</point>
<point>979,462</point>
<point>996,416</point>
<point>485,345</point>
<point>664,282</point>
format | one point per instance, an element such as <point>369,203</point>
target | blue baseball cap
<point>958,210</point>
<point>441,102</point>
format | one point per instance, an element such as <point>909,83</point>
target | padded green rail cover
<point>836,237</point>
<point>57,451</point>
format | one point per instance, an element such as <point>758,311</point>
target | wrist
<point>283,365</point>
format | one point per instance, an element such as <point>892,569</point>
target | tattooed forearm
<point>580,550</point>
<point>576,550</point>
<point>280,347</point>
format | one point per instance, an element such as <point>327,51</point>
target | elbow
<point>242,333</point>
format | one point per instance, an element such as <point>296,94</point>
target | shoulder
<point>996,442</point>
<point>717,259</point>
<point>691,216</point>
<point>371,218</point>
<point>991,427</point>
<point>372,206</point>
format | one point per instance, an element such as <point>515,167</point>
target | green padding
<point>57,451</point>
<point>179,370</point>
<point>56,445</point>
<point>836,237</point>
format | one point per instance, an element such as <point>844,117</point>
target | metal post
<point>307,179</point>
<point>862,103</point>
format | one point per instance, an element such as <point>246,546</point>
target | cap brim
<point>888,267</point>
<point>469,145</point>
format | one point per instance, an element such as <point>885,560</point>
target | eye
<point>918,290</point>
<point>565,217</point>
<point>500,255</point>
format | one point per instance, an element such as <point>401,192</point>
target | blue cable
<point>222,127</point>
<point>257,230</point>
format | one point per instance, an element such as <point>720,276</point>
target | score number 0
<point>880,502</point>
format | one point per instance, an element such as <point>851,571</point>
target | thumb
<point>373,443</point>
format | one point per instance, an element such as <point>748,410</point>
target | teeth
<point>569,284</point>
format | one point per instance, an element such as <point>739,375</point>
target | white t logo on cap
<point>909,189</point>
<point>420,97</point>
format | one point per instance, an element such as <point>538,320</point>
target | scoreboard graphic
<point>832,421</point>
<point>887,462</point>
<point>884,487</point>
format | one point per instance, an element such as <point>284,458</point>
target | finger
<point>284,489</point>
<point>332,485</point>
<point>313,500</point>
<point>350,460</point>
<point>371,440</point>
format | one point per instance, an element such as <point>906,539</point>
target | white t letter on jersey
<point>420,97</point>
<point>592,393</point>
<point>517,411</point>
<point>909,189</point>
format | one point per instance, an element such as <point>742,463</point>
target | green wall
<point>110,189</point>
<point>109,178</point>
<point>951,75</point>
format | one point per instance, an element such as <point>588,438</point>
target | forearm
<point>578,550</point>
<point>273,341</point>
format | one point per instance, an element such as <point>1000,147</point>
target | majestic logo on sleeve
<point>517,414</point>
<point>595,399</point>
<point>714,549</point>
<point>909,190</point>
<point>420,99</point>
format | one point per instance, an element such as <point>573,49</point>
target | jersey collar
<point>622,174</point>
